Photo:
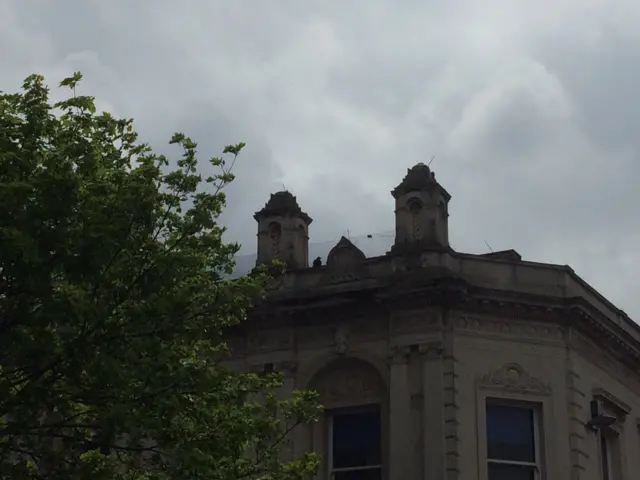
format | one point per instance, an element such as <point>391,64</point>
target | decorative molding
<point>399,355</point>
<point>493,326</point>
<point>431,350</point>
<point>513,378</point>
<point>611,402</point>
<point>601,358</point>
<point>356,384</point>
<point>414,321</point>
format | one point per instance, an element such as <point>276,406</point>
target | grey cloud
<point>603,81</point>
<point>530,112</point>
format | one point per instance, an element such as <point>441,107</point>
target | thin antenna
<point>488,246</point>
<point>432,158</point>
<point>284,188</point>
<point>348,234</point>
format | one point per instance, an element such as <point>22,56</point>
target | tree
<point>114,306</point>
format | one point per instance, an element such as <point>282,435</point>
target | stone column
<point>399,416</point>
<point>433,410</point>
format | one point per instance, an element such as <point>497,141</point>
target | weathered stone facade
<point>432,336</point>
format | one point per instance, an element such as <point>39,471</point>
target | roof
<point>418,178</point>
<point>282,203</point>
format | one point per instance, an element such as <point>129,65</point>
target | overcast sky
<point>531,109</point>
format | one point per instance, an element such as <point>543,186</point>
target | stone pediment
<point>345,263</point>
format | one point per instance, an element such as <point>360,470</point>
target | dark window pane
<point>371,474</point>
<point>356,439</point>
<point>510,433</point>
<point>604,457</point>
<point>510,472</point>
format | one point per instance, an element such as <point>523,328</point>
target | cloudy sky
<point>530,109</point>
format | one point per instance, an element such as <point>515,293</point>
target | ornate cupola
<point>283,232</point>
<point>421,212</point>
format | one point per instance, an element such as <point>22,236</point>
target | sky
<point>529,109</point>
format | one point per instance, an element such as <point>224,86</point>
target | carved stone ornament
<point>355,385</point>
<point>513,378</point>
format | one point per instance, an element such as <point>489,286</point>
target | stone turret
<point>421,212</point>
<point>283,232</point>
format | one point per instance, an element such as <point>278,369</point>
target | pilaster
<point>433,410</point>
<point>400,419</point>
<point>288,370</point>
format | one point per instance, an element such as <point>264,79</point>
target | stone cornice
<point>417,290</point>
<point>572,312</point>
<point>596,325</point>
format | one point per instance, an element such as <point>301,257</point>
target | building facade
<point>435,364</point>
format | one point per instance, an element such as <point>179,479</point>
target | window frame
<point>604,450</point>
<point>547,441</point>
<point>612,436</point>
<point>609,442</point>
<point>329,415</point>
<point>536,413</point>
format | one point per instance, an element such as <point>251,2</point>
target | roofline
<point>572,274</point>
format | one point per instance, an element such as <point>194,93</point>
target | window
<point>605,459</point>
<point>355,444</point>
<point>610,461</point>
<point>415,206</point>
<point>512,442</point>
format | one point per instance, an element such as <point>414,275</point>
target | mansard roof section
<point>419,178</point>
<point>282,203</point>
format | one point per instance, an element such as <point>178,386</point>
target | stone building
<point>436,364</point>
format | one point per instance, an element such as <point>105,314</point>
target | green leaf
<point>114,308</point>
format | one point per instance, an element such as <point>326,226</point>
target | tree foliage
<point>114,305</point>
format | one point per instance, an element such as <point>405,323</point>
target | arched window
<point>275,230</point>
<point>275,234</point>
<point>353,395</point>
<point>415,207</point>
